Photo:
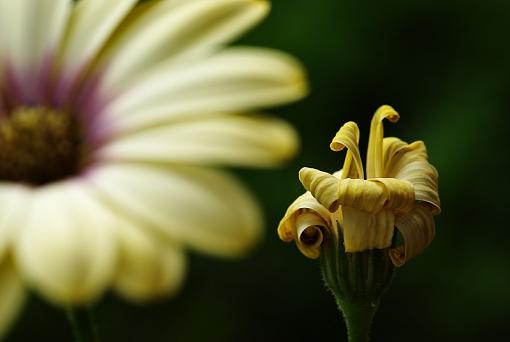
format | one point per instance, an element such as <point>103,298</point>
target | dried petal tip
<point>386,112</point>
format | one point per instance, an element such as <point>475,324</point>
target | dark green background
<point>445,66</point>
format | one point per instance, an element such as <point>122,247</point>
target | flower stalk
<point>83,324</point>
<point>357,281</point>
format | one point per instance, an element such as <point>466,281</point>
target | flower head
<point>112,117</point>
<point>399,191</point>
<point>349,221</point>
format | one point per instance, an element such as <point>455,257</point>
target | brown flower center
<point>39,145</point>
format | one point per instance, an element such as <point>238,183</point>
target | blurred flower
<point>111,117</point>
<point>400,191</point>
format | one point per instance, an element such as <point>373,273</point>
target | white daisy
<point>112,115</point>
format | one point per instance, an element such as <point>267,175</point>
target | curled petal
<point>304,222</point>
<point>418,230</point>
<point>322,186</point>
<point>348,136</point>
<point>424,177</point>
<point>309,229</point>
<point>363,231</point>
<point>398,153</point>
<point>369,196</point>
<point>410,162</point>
<point>400,194</point>
<point>375,141</point>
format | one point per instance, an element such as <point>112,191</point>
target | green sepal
<point>358,281</point>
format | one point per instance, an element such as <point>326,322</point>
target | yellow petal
<point>417,229</point>
<point>322,186</point>
<point>375,141</point>
<point>397,153</point>
<point>309,229</point>
<point>348,136</point>
<point>410,162</point>
<point>304,222</point>
<point>400,194</point>
<point>363,231</point>
<point>369,196</point>
<point>13,296</point>
<point>424,177</point>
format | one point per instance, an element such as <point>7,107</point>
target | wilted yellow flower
<point>399,190</point>
<point>112,115</point>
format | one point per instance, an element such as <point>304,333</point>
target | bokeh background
<point>445,66</point>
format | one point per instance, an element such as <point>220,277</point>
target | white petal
<point>148,267</point>
<point>237,79</point>
<point>67,248</point>
<point>12,296</point>
<point>232,140</point>
<point>31,29</point>
<point>92,23</point>
<point>177,30</point>
<point>205,209</point>
<point>14,201</point>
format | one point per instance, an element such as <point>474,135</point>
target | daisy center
<point>39,145</point>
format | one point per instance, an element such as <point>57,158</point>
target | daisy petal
<point>23,44</point>
<point>92,23</point>
<point>367,195</point>
<point>203,208</point>
<point>397,154</point>
<point>424,177</point>
<point>364,231</point>
<point>400,194</point>
<point>67,247</point>
<point>375,140</point>
<point>305,222</point>
<point>418,230</point>
<point>148,267</point>
<point>231,140</point>
<point>12,293</point>
<point>410,162</point>
<point>14,199</point>
<point>166,29</point>
<point>237,79</point>
<point>348,136</point>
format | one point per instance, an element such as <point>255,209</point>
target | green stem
<point>358,319</point>
<point>357,280</point>
<point>82,324</point>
